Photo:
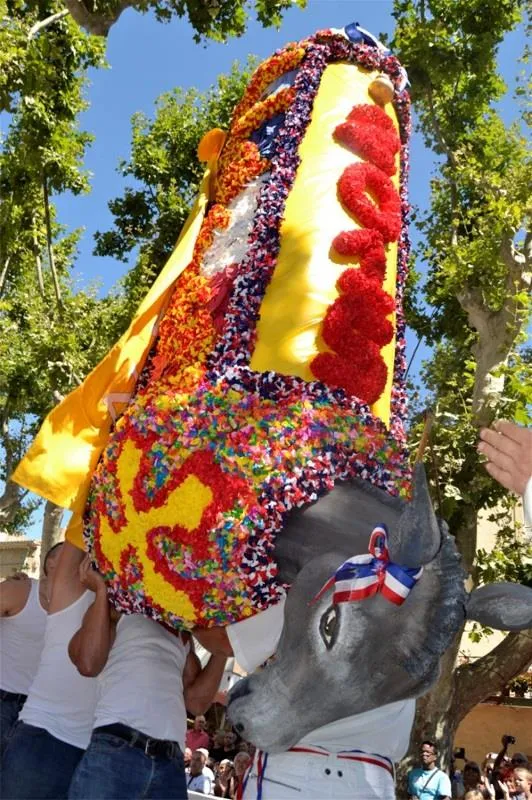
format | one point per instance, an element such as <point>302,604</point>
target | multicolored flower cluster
<point>272,68</point>
<point>257,458</point>
<point>240,162</point>
<point>263,110</point>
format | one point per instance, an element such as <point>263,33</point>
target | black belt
<point>154,748</point>
<point>20,698</point>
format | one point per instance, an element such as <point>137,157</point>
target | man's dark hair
<point>48,554</point>
<point>431,744</point>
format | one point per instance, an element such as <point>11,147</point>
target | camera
<point>459,753</point>
<point>509,739</point>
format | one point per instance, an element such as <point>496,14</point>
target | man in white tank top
<point>23,609</point>
<point>55,723</point>
<point>148,677</point>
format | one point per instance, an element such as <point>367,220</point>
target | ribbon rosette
<point>374,573</point>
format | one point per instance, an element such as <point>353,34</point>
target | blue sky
<point>147,58</point>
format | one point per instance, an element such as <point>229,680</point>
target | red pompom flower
<point>385,217</point>
<point>370,132</point>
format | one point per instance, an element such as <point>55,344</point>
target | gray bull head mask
<point>333,661</point>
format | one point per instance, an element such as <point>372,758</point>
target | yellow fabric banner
<point>60,462</point>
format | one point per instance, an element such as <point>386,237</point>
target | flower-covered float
<point>267,361</point>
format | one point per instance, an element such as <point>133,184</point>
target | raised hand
<point>89,577</point>
<point>508,448</point>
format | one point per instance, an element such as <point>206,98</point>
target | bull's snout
<point>239,690</point>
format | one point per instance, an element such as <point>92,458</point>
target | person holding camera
<point>504,766</point>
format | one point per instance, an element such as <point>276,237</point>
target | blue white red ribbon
<point>372,573</point>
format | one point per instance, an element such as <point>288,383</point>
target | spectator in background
<point>197,781</point>
<point>23,612</point>
<point>207,770</point>
<point>522,780</point>
<point>229,748</point>
<point>223,777</point>
<point>240,765</point>
<point>472,776</point>
<point>217,749</point>
<point>197,736</point>
<point>187,755</point>
<point>55,723</point>
<point>428,781</point>
<point>519,760</point>
<point>487,765</point>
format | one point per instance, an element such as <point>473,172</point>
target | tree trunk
<point>51,528</point>
<point>10,502</point>
<point>93,22</point>
<point>436,720</point>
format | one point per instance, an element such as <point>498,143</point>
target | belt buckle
<point>147,747</point>
<point>158,748</point>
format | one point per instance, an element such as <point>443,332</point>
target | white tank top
<point>60,700</point>
<point>22,638</point>
<point>142,683</point>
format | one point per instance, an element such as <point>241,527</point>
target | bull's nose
<point>240,689</point>
<point>239,727</point>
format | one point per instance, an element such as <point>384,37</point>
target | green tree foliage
<point>213,19</point>
<point>166,174</point>
<point>51,334</point>
<point>474,302</point>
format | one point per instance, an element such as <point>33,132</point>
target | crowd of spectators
<point>215,763</point>
<point>499,777</point>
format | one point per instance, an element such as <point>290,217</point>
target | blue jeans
<point>36,765</point>
<point>10,707</point>
<point>114,769</point>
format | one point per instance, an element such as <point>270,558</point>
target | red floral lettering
<point>356,325</point>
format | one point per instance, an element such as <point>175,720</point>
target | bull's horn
<point>417,538</point>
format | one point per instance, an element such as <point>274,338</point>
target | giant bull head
<point>335,660</point>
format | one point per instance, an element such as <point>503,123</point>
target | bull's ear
<point>416,539</point>
<point>506,606</point>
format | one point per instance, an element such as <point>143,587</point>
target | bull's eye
<point>329,626</point>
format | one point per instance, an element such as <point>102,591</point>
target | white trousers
<point>319,777</point>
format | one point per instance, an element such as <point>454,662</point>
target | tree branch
<point>497,330</point>
<point>3,274</point>
<point>57,288</point>
<point>38,262</point>
<point>44,23</point>
<point>491,673</point>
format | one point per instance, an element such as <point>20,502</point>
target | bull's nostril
<point>239,727</point>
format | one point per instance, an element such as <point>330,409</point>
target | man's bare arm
<point>200,685</point>
<point>215,640</point>
<point>89,647</point>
